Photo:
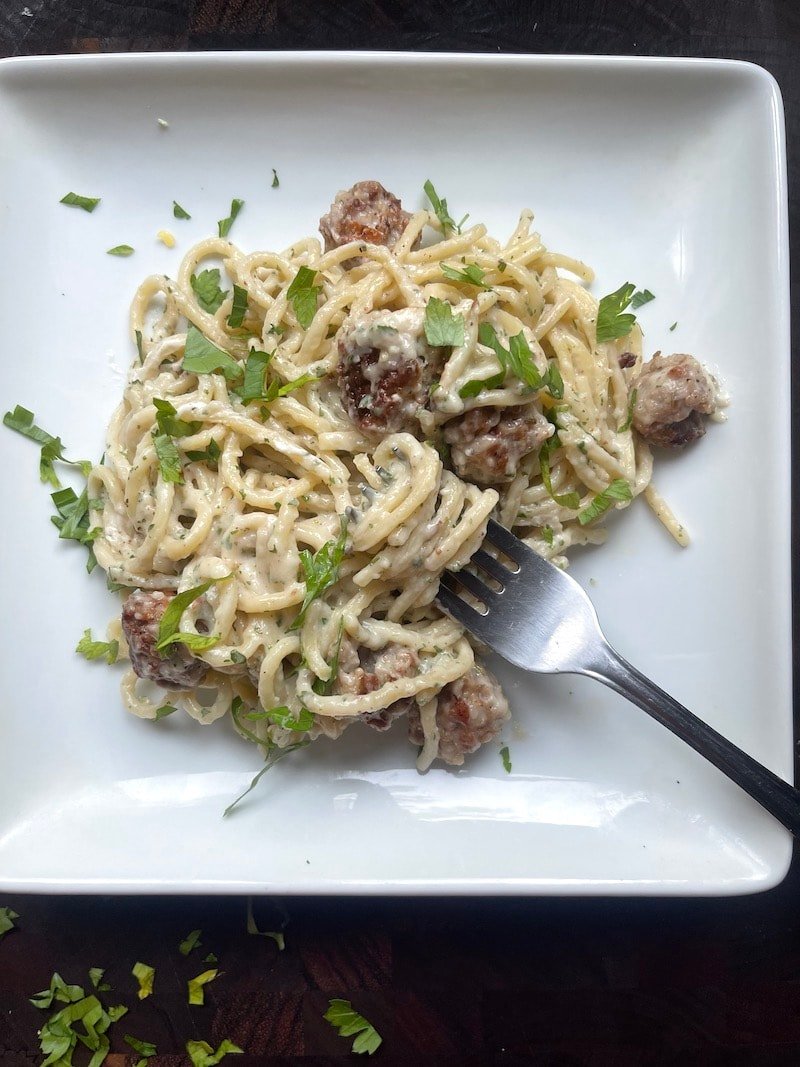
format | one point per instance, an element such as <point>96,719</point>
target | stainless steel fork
<point>539,618</point>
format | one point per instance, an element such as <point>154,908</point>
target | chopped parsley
<point>89,649</point>
<point>206,289</point>
<point>505,756</point>
<point>21,420</point>
<point>618,490</point>
<point>564,500</point>
<point>283,716</point>
<point>96,978</point>
<point>224,225</point>
<point>191,941</point>
<point>168,632</point>
<point>629,417</point>
<point>169,460</point>
<point>477,385</point>
<point>202,357</point>
<point>202,1054</point>
<point>72,520</point>
<point>195,986</point>
<point>517,359</point>
<point>211,958</point>
<point>272,757</point>
<point>321,571</point>
<point>342,1017</point>
<point>472,274</point>
<point>59,1036</point>
<point>303,294</point>
<point>441,211</point>
<point>253,384</point>
<point>164,711</point>
<point>146,1049</point>
<point>87,203</point>
<point>611,322</point>
<point>239,307</point>
<point>442,327</point>
<point>252,928</point>
<point>275,179</point>
<point>179,212</point>
<point>7,917</point>
<point>641,297</point>
<point>139,347</point>
<point>672,327</point>
<point>145,976</point>
<point>547,535</point>
<point>168,422</point>
<point>208,455</point>
<point>120,250</point>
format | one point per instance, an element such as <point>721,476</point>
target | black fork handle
<point>773,793</point>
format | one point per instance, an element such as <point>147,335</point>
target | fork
<point>541,619</point>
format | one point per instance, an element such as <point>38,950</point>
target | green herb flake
<point>145,976</point>
<point>252,386</point>
<point>476,385</point>
<point>629,417</point>
<point>96,978</point>
<point>87,203</point>
<point>239,307</point>
<point>164,711</point>
<point>321,571</point>
<point>203,357</point>
<point>168,632</point>
<point>505,756</point>
<point>518,360</point>
<point>547,535</point>
<point>201,1054</point>
<point>253,930</point>
<point>206,288</point>
<point>641,297</point>
<point>284,717</point>
<point>275,179</point>
<point>501,265</point>
<point>120,250</point>
<point>168,422</point>
<point>195,986</point>
<point>211,958</point>
<point>208,455</point>
<point>179,212</point>
<point>52,448</point>
<point>342,1017</point>
<point>144,1048</point>
<point>191,941</point>
<point>564,500</point>
<point>472,274</point>
<point>7,917</point>
<point>303,294</point>
<point>89,649</point>
<point>224,225</point>
<point>611,322</point>
<point>442,327</point>
<point>72,520</point>
<point>672,327</point>
<point>618,490</point>
<point>139,348</point>
<point>59,1036</point>
<point>58,990</point>
<point>441,211</point>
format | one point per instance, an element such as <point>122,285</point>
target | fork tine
<point>467,616</point>
<point>492,566</point>
<point>474,584</point>
<point>505,541</point>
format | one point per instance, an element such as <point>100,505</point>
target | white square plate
<point>668,173</point>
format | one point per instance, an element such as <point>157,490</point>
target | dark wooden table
<point>472,982</point>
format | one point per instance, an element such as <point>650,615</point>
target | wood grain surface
<point>562,983</point>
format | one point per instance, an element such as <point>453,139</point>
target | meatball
<point>367,213</point>
<point>488,443</point>
<point>385,368</point>
<point>470,711</point>
<point>363,671</point>
<point>672,394</point>
<point>141,615</point>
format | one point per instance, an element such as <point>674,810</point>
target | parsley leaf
<point>477,385</point>
<point>255,369</point>
<point>201,1053</point>
<point>207,290</point>
<point>275,179</point>
<point>179,212</point>
<point>191,941</point>
<point>283,716</point>
<point>203,357</point>
<point>120,250</point>
<point>224,225</point>
<point>641,297</point>
<point>342,1017</point>
<point>629,417</point>
<point>169,459</point>
<point>168,422</point>
<point>58,1037</point>
<point>168,632</point>
<point>7,917</point>
<point>321,571</point>
<point>208,455</point>
<point>275,389</point>
<point>239,308</point>
<point>273,756</point>
<point>617,490</point>
<point>57,990</point>
<point>144,1048</point>
<point>88,203</point>
<point>442,327</point>
<point>72,520</point>
<point>97,649</point>
<point>441,212</point>
<point>564,500</point>
<point>518,359</point>
<point>21,420</point>
<point>471,273</point>
<point>302,294</point>
<point>611,322</point>
<point>505,756</point>
<point>196,995</point>
<point>145,976</point>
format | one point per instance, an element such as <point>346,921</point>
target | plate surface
<point>667,173</point>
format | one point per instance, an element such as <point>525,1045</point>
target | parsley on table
<point>207,290</point>
<point>179,212</point>
<point>618,490</point>
<point>89,649</point>
<point>442,327</point>
<point>611,320</point>
<point>303,294</point>
<point>472,274</point>
<point>190,942</point>
<point>238,308</point>
<point>441,211</point>
<point>202,357</point>
<point>342,1017</point>
<point>7,917</point>
<point>146,1049</point>
<point>321,571</point>
<point>145,976</point>
<point>505,756</point>
<point>52,448</point>
<point>195,986</point>
<point>168,632</point>
<point>96,978</point>
<point>202,1054</point>
<point>87,203</point>
<point>224,225</point>
<point>120,250</point>
<point>253,930</point>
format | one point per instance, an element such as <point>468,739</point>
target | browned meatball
<point>177,668</point>
<point>672,394</point>
<point>361,670</point>
<point>385,368</point>
<point>367,213</point>
<point>487,443</point>
<point>471,711</point>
